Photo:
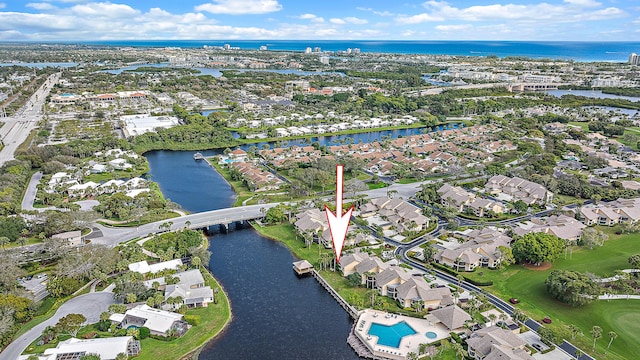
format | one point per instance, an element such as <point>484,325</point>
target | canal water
<point>276,315</point>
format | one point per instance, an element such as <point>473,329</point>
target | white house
<point>160,322</point>
<point>106,348</point>
<point>143,267</point>
<point>73,238</point>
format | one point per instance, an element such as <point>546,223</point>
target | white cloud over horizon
<point>294,19</point>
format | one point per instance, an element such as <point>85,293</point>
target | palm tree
<point>3,241</point>
<point>596,332</point>
<point>574,330</point>
<point>612,336</point>
<point>187,224</point>
<point>492,318</point>
<point>518,315</point>
<point>460,351</point>
<point>196,261</point>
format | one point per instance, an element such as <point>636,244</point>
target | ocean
<point>564,50</point>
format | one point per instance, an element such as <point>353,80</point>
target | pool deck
<point>409,343</point>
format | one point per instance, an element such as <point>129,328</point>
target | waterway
<point>276,315</point>
<point>365,137</point>
<point>598,94</point>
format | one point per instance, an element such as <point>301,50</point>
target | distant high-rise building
<point>356,51</point>
<point>307,50</point>
<point>226,47</point>
<point>634,59</point>
<point>324,60</point>
<point>348,50</point>
<point>263,48</point>
<point>316,49</point>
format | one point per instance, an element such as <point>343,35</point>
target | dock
<point>302,267</point>
<point>345,305</point>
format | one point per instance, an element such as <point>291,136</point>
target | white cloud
<point>104,10</point>
<point>454,28</point>
<point>3,5</point>
<point>585,3</point>
<point>311,17</point>
<point>375,12</point>
<point>417,19</point>
<point>238,7</point>
<point>541,12</point>
<point>337,21</point>
<point>355,20</point>
<point>41,6</point>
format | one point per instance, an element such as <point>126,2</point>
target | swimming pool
<point>431,335</point>
<point>391,335</point>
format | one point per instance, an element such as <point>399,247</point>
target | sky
<point>550,20</point>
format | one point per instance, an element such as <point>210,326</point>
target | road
<point>112,236</point>
<point>18,127</point>
<point>90,305</point>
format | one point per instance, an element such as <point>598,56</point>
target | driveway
<point>90,305</point>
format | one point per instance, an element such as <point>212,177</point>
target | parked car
<point>546,320</point>
<point>514,301</point>
<point>537,346</point>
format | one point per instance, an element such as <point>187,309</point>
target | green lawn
<point>584,125</point>
<point>378,185</point>
<point>212,320</point>
<point>621,316</point>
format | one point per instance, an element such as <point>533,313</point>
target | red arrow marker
<point>338,223</point>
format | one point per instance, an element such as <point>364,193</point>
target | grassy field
<point>621,316</point>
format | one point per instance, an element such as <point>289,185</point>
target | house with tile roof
<point>480,249</point>
<point>453,317</point>
<point>496,343</point>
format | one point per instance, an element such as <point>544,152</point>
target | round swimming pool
<point>431,335</point>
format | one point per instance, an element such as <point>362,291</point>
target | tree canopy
<point>537,248</point>
<point>571,287</point>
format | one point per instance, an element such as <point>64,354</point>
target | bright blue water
<point>366,137</point>
<point>431,335</point>
<point>391,335</point>
<point>579,51</point>
<point>276,315</point>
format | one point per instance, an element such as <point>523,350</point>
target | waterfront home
<point>562,226</point>
<point>481,249</point>
<point>110,186</point>
<point>496,343</point>
<point>160,322</point>
<point>106,348</point>
<point>395,282</point>
<point>190,287</point>
<point>255,178</point>
<point>143,267</point>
